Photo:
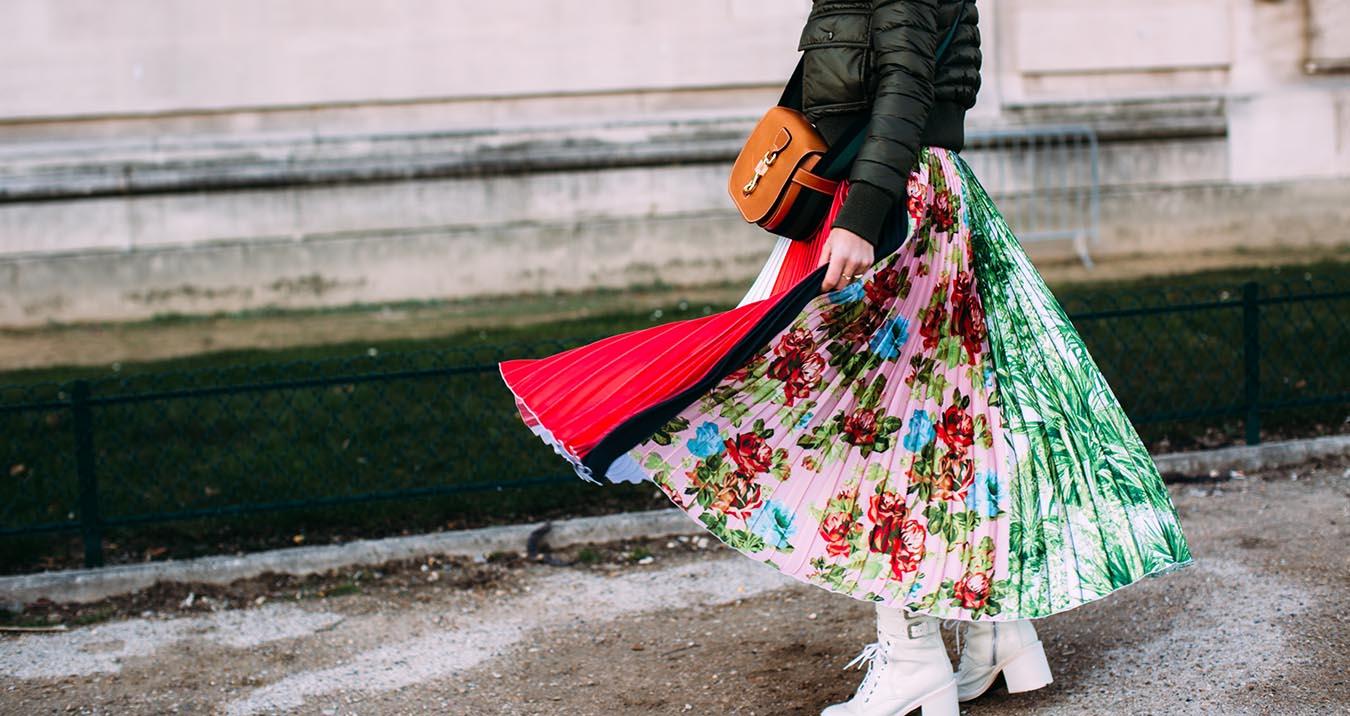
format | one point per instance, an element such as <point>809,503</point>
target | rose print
<point>913,536</point>
<point>863,326</point>
<point>887,506</point>
<point>934,320</point>
<point>928,511</point>
<point>737,498</point>
<point>955,473</point>
<point>794,341</point>
<point>911,550</point>
<point>973,590</point>
<point>860,428</point>
<point>751,453</point>
<point>801,373</point>
<point>835,528</point>
<point>724,499</point>
<point>969,315</point>
<point>917,194</point>
<point>885,536</point>
<point>942,212</point>
<point>884,286</point>
<point>961,285</point>
<point>904,562</point>
<point>972,327</point>
<point>957,428</point>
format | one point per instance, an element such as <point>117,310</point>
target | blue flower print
<point>920,431</point>
<point>774,523</point>
<point>887,341</point>
<point>804,420</point>
<point>706,442</point>
<point>848,294</point>
<point>917,588</point>
<point>984,495</point>
<point>988,376</point>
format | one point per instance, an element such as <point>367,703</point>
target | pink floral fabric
<point>863,449</point>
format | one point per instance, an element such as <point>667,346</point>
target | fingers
<point>842,272</point>
<point>846,264</point>
<point>827,257</point>
<point>832,276</point>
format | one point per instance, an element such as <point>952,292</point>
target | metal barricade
<point>1044,179</point>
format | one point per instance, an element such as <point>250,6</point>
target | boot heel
<point>942,703</point>
<point>1028,671</point>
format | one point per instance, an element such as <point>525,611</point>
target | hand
<point>848,254</point>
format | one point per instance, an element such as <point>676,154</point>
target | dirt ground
<point>1257,626</point>
<point>106,344</point>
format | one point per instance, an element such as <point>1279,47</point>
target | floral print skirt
<point>934,436</point>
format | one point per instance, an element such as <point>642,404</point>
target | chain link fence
<point>124,451</point>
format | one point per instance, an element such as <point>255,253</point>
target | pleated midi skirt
<point>933,436</point>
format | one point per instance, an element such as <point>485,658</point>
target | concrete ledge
<point>1253,457</point>
<point>85,585</point>
<point>86,169</point>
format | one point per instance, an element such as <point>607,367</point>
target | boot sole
<point>939,702</point>
<point>942,702</point>
<point>1027,670</point>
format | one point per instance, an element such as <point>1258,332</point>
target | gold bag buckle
<point>779,144</point>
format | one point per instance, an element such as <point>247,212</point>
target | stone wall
<point>186,156</point>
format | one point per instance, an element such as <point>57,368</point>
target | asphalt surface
<point>1257,626</point>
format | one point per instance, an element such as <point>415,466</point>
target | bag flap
<point>776,148</point>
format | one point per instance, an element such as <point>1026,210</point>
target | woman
<point>928,434</point>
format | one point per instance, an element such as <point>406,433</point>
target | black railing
<point>93,454</point>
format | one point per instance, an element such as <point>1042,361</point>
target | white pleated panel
<point>763,285</point>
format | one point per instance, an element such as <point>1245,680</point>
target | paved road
<point>1257,626</point>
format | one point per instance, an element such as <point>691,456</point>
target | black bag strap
<point>840,156</point>
<point>792,92</point>
<point>947,41</point>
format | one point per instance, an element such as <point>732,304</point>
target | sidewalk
<point>1257,626</point>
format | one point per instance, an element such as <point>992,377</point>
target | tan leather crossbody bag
<point>786,175</point>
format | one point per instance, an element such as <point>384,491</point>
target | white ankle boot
<point>907,669</point>
<point>1009,647</point>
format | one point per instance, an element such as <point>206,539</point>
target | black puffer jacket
<point>877,58</point>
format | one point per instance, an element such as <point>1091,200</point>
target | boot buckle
<point>917,629</point>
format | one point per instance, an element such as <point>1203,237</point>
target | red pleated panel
<point>582,394</point>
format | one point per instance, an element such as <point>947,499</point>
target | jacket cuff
<point>864,210</point>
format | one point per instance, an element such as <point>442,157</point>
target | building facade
<point>189,156</point>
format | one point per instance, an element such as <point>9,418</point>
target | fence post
<point>91,523</point>
<point>1251,359</point>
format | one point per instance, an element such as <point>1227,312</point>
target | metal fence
<point>123,450</point>
<point>1045,179</point>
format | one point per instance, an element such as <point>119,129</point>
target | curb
<point>86,585</point>
<point>1248,457</point>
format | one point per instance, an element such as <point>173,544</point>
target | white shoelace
<point>869,654</point>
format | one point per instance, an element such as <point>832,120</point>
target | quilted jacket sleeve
<point>904,42</point>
